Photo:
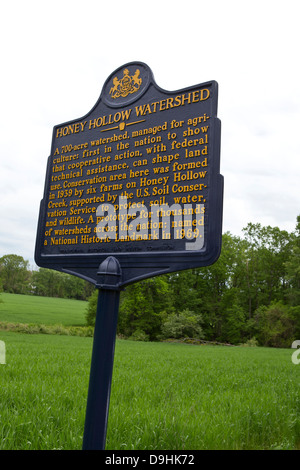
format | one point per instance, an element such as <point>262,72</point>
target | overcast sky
<point>56,56</point>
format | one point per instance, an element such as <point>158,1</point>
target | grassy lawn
<point>43,391</point>
<point>41,310</point>
<point>164,396</point>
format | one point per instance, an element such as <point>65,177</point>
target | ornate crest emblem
<point>127,85</point>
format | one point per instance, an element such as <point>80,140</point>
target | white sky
<point>56,56</point>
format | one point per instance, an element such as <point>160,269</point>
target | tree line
<point>252,293</point>
<point>16,277</point>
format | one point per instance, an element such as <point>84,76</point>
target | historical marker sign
<point>137,178</point>
<point>132,190</point>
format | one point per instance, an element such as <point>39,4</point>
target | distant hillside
<point>41,310</point>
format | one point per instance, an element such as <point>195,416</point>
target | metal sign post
<point>103,355</point>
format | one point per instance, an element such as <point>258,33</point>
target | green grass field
<point>164,396</point>
<point>42,310</point>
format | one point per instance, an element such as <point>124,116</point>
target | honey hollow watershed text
<point>144,165</point>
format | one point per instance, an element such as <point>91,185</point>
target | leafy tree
<point>234,321</point>
<point>47,283</point>
<point>139,335</point>
<point>76,288</point>
<point>260,273</point>
<point>182,325</point>
<point>14,274</point>
<point>143,306</point>
<point>295,315</point>
<point>292,266</point>
<point>211,286</point>
<point>186,288</point>
<point>51,283</point>
<point>90,315</point>
<point>276,326</point>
